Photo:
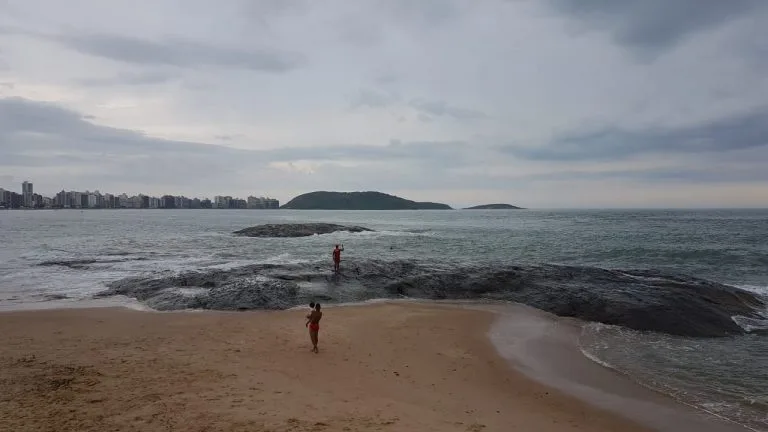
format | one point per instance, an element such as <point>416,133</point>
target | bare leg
<point>313,336</point>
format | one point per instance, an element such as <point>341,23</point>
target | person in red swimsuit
<point>313,321</point>
<point>337,257</point>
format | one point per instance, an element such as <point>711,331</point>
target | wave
<point>86,262</point>
<point>762,290</point>
<point>637,299</point>
<point>717,376</point>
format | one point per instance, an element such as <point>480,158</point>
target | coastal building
<point>169,202</point>
<point>222,202</point>
<point>26,194</point>
<point>60,201</point>
<point>262,203</point>
<point>16,200</point>
<point>75,200</point>
<point>97,200</point>
<point>5,198</point>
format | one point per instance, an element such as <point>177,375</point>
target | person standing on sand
<point>337,257</point>
<point>313,321</point>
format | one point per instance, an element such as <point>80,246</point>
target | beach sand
<point>385,367</point>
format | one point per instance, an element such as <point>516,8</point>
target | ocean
<point>69,258</point>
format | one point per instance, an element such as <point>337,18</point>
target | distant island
<point>495,207</point>
<point>322,200</point>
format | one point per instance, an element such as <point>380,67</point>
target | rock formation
<point>296,230</point>
<point>637,299</point>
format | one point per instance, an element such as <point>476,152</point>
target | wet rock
<point>296,230</point>
<point>638,299</point>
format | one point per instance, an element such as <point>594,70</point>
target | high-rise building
<point>16,200</point>
<point>262,203</point>
<point>26,194</point>
<point>61,200</point>
<point>169,202</point>
<point>222,202</point>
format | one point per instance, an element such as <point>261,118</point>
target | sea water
<point>62,258</point>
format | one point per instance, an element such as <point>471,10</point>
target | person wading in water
<point>337,258</point>
<point>313,322</point>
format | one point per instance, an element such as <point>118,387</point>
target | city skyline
<point>95,199</point>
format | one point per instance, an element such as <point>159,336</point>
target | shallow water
<point>728,246</point>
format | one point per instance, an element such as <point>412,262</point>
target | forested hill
<point>494,207</point>
<point>358,201</point>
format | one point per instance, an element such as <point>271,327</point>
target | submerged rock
<point>296,230</point>
<point>637,299</point>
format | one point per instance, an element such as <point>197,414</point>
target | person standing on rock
<point>337,258</point>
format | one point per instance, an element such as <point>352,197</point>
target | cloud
<point>386,78</point>
<point>425,118</point>
<point>442,109</point>
<point>129,79</point>
<point>427,109</point>
<point>42,138</point>
<point>179,52</point>
<point>744,131</point>
<point>373,99</point>
<point>655,24</point>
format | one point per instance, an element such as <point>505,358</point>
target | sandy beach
<point>399,367</point>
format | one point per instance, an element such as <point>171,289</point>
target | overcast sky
<point>541,103</point>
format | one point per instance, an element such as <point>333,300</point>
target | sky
<point>539,103</point>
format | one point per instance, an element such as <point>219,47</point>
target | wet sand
<point>398,367</point>
<point>545,347</point>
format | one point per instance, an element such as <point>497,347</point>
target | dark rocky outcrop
<point>638,299</point>
<point>296,230</point>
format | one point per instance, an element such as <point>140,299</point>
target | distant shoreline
<point>128,208</point>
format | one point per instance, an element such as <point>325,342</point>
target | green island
<point>494,207</point>
<point>322,200</point>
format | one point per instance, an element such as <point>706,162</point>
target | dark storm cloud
<point>441,108</point>
<point>32,125</point>
<point>29,129</point>
<point>655,24</point>
<point>683,174</point>
<point>129,79</point>
<point>744,131</point>
<point>442,153</point>
<point>179,52</point>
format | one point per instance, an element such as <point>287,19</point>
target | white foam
<point>750,324</point>
<point>762,290</point>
